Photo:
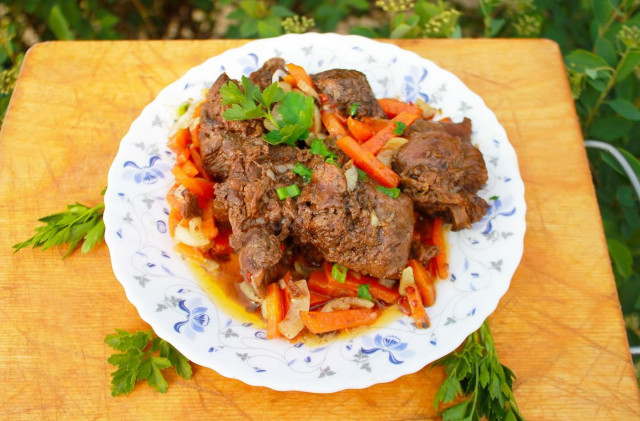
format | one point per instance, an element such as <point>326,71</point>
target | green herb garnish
<point>288,191</point>
<point>319,148</point>
<point>182,109</point>
<point>400,128</point>
<point>353,108</point>
<point>295,109</point>
<point>303,171</point>
<point>362,175</point>
<point>339,273</point>
<point>474,372</point>
<point>363,292</point>
<point>494,198</point>
<point>78,223</point>
<point>138,361</point>
<point>394,192</point>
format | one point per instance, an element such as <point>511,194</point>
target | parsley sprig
<point>294,110</point>
<point>143,357</point>
<point>78,223</point>
<point>474,372</point>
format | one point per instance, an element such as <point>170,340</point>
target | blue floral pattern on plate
<point>169,298</point>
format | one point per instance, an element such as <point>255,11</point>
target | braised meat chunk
<point>262,77</point>
<point>442,172</point>
<point>364,230</point>
<point>346,87</point>
<point>222,140</point>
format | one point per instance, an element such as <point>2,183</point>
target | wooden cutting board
<point>559,327</point>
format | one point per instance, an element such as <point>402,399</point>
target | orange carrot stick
<point>190,253</point>
<point>417,309</point>
<point>274,310</point>
<point>423,283</point>
<point>321,322</point>
<point>439,240</point>
<point>332,123</point>
<point>376,124</point>
<point>392,107</point>
<point>360,131</point>
<point>366,161</point>
<point>378,140</point>
<point>209,229</point>
<point>299,74</point>
<point>189,169</point>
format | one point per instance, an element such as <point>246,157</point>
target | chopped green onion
<point>182,109</point>
<point>339,273</point>
<point>394,192</point>
<point>303,171</point>
<point>288,191</point>
<point>400,128</point>
<point>363,292</point>
<point>353,109</point>
<point>494,198</point>
<point>362,175</point>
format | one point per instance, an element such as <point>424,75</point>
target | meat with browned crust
<point>347,87</point>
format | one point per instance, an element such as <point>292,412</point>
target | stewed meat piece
<point>364,230</point>
<point>346,87</point>
<point>442,171</point>
<point>262,77</point>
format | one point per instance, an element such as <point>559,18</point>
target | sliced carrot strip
<point>366,161</point>
<point>299,74</point>
<point>189,169</point>
<point>417,308</point>
<point>190,253</point>
<point>376,124</point>
<point>209,229</point>
<point>197,161</point>
<point>360,131</point>
<point>321,322</point>
<point>274,310</point>
<point>439,240</point>
<point>317,299</point>
<point>375,144</point>
<point>221,243</point>
<point>423,283</point>
<point>392,107</point>
<point>174,218</point>
<point>180,141</point>
<point>332,123</point>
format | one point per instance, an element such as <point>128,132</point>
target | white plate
<point>169,298</point>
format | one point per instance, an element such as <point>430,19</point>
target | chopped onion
<point>406,280</point>
<point>428,112</point>
<point>277,75</point>
<point>285,86</point>
<point>317,119</point>
<point>307,90</point>
<point>248,292</point>
<point>374,219</point>
<point>389,283</point>
<point>390,149</point>
<point>346,303</point>
<point>351,174</point>
<point>191,236</point>
<point>292,324</point>
<point>270,174</point>
<point>187,118</point>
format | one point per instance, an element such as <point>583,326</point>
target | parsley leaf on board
<point>78,223</point>
<point>294,115</point>
<point>143,357</point>
<point>475,374</point>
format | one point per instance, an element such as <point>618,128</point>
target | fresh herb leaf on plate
<point>294,115</point>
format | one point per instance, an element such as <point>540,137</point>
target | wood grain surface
<point>559,327</point>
